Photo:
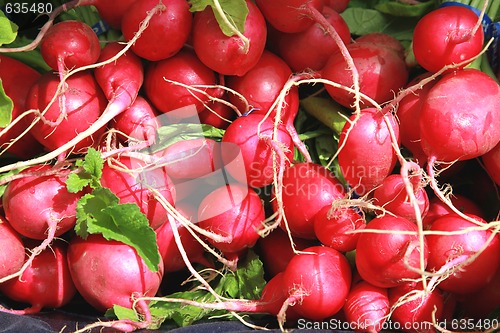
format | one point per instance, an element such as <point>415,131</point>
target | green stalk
<point>328,112</point>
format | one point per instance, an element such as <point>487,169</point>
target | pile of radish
<point>298,163</point>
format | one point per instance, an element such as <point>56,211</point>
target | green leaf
<point>362,21</point>
<point>170,134</point>
<point>8,30</point>
<point>6,107</point>
<point>235,11</point>
<point>397,8</point>
<point>89,175</point>
<point>31,58</point>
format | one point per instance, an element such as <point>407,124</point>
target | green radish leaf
<point>362,21</point>
<point>396,8</point>
<point>233,16</point>
<point>90,174</point>
<point>6,107</point>
<point>170,134</point>
<point>8,30</point>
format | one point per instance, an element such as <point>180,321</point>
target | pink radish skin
<point>318,280</point>
<point>383,39</point>
<point>274,295</point>
<point>338,5</point>
<point>12,258</point>
<point>70,44</point>
<point>171,25</point>
<point>227,55</point>
<point>383,259</point>
<point>306,185</point>
<point>491,162</point>
<point>288,16</point>
<point>437,208</point>
<point>112,12</point>
<point>106,272</point>
<point>47,283</point>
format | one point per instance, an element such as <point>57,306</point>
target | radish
<point>334,227</point>
<point>367,307</point>
<point>491,162</point>
<point>438,208</point>
<point>480,304</point>
<point>338,5</point>
<point>134,181</point>
<point>217,114</point>
<point>383,39</point>
<point>166,81</point>
<point>79,47</point>
<point>11,260</point>
<point>84,102</point>
<point>447,36</point>
<point>288,16</point>
<point>472,122</point>
<point>447,251</point>
<point>274,296</point>
<point>367,155</point>
<point>251,136</point>
<point>235,213</point>
<point>46,283</point>
<point>171,25</point>
<point>318,282</point>
<point>108,272</point>
<point>229,55</point>
<point>388,258</point>
<point>306,185</point>
<point>111,12</point>
<point>17,79</point>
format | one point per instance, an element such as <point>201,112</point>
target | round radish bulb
<point>459,247</point>
<point>392,196</point>
<point>112,12</point>
<point>491,162</point>
<point>318,280</point>
<point>383,39</point>
<point>217,114</point>
<point>167,31</point>
<point>444,37</point>
<point>228,55</point>
<point>184,68</point>
<point>247,142</point>
<point>108,272</point>
<point>275,295</point>
<point>367,156</point>
<point>133,185</point>
<point>337,5</point>
<point>459,119</point>
<point>12,258</point>
<point>437,208</point>
<point>234,212</point>
<point>46,283</point>
<point>386,259</point>
<point>288,16</point>
<point>306,185</point>
<point>70,44</point>
<point>38,202</point>
<point>333,226</point>
<point>481,303</point>
<point>382,73</point>
<point>84,102</point>
<point>315,43</point>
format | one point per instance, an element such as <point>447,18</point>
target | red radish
<point>46,283</point>
<point>437,208</point>
<point>229,55</point>
<point>447,249</point>
<point>318,281</point>
<point>463,128</point>
<point>112,12</point>
<point>274,295</point>
<point>413,310</point>
<point>288,16</point>
<point>38,205</point>
<point>367,154</point>
<point>491,162</point>
<point>382,73</point>
<point>446,36</point>
<point>333,226</point>
<point>108,272</point>
<point>383,39</point>
<point>252,137</point>
<point>312,56</point>
<point>171,25</point>
<point>17,79</point>
<point>84,102</point>
<point>137,123</point>
<point>338,5</point>
<point>12,258</point>
<point>386,259</point>
<point>480,304</point>
<point>184,68</point>
<point>70,44</point>
<point>235,213</point>
<point>275,250</point>
<point>306,185</point>
<point>131,180</point>
<point>367,307</point>
<point>392,196</point>
<point>217,114</point>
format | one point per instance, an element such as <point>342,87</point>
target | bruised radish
<point>70,44</point>
<point>306,185</point>
<point>367,154</point>
<point>12,258</point>
<point>108,272</point>
<point>167,31</point>
<point>46,283</point>
<point>133,181</point>
<point>318,282</point>
<point>386,259</point>
<point>229,55</point>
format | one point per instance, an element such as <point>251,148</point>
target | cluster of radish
<point>418,254</point>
